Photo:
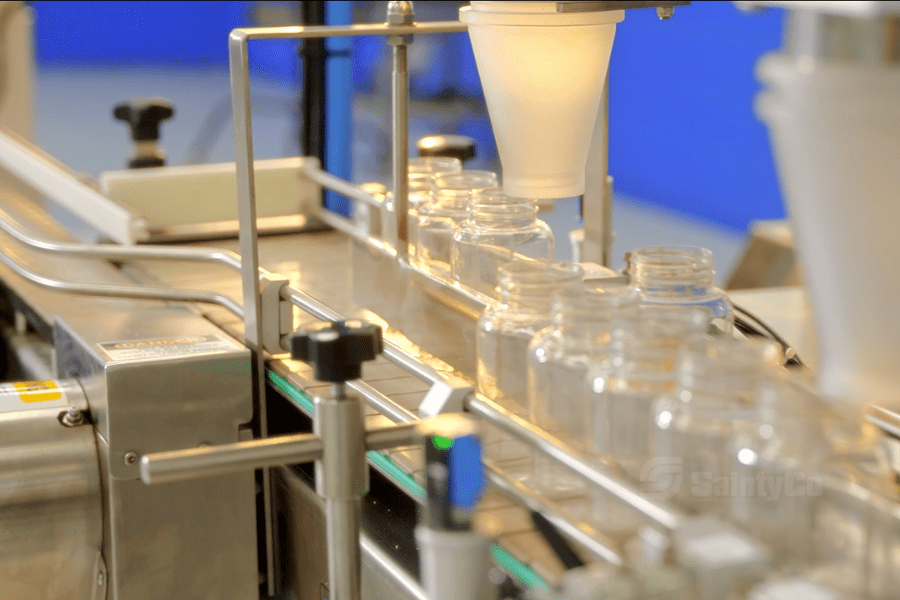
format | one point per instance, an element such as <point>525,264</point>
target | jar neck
<point>671,266</point>
<point>453,200</point>
<point>592,313</point>
<point>532,285</point>
<point>511,213</point>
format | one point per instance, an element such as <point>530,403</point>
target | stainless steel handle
<point>178,465</point>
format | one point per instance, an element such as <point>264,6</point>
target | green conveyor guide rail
<point>383,463</point>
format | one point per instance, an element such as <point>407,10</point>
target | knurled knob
<point>337,350</point>
<point>144,116</point>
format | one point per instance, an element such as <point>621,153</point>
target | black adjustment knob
<point>144,116</point>
<point>337,350</point>
<point>453,146</point>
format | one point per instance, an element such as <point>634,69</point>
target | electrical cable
<point>761,329</point>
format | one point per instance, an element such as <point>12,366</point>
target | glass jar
<point>421,172</point>
<point>558,361</point>
<point>640,368</point>
<point>497,230</point>
<point>436,219</point>
<point>777,456</point>
<point>681,275</point>
<point>504,332</point>
<point>717,392</point>
<point>433,165</point>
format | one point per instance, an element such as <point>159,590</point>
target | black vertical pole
<point>312,101</point>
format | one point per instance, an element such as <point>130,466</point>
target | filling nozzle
<point>543,69</point>
<point>543,74</point>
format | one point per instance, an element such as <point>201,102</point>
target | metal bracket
<point>277,314</point>
<point>445,397</point>
<point>587,6</point>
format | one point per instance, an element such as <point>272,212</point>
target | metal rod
<point>179,465</point>
<point>246,189</point>
<point>382,403</point>
<point>345,225</point>
<point>342,525</point>
<point>121,291</point>
<point>394,436</point>
<point>596,202</point>
<point>339,185</point>
<point>300,31</point>
<point>659,512</point>
<point>578,532</point>
<point>400,139</point>
<point>115,252</point>
<point>238,60</point>
<point>194,463</point>
<point>392,352</point>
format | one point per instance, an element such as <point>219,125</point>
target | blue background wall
<point>682,131</point>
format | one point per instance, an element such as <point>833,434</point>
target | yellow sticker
<point>31,395</point>
<point>37,391</point>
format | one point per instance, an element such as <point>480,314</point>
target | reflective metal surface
<point>51,523</point>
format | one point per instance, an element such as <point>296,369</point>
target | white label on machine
<point>168,347</point>
<point>30,395</point>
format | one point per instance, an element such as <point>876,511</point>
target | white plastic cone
<point>835,130</point>
<point>543,74</point>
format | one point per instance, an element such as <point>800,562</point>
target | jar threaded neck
<point>533,284</point>
<point>492,209</point>
<point>671,266</point>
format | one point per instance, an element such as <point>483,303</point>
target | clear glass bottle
<point>436,219</point>
<point>777,457</point>
<point>421,171</point>
<point>504,332</point>
<point>681,275</point>
<point>623,390</point>
<point>640,368</point>
<point>497,230</point>
<point>695,426</point>
<point>558,361</point>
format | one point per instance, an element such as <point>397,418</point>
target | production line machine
<point>168,401</point>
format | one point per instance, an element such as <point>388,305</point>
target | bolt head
<point>131,458</point>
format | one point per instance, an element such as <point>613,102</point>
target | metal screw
<point>130,458</point>
<point>72,417</point>
<point>665,12</point>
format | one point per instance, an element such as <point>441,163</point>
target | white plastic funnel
<point>543,74</point>
<point>835,130</point>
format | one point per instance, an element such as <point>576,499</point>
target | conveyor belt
<point>320,265</point>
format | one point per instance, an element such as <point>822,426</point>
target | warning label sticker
<point>168,347</point>
<point>27,395</point>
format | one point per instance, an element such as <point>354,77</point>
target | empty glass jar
<point>681,275</point>
<point>718,389</point>
<point>504,332</point>
<point>777,454</point>
<point>436,219</point>
<point>497,230</point>
<point>640,368</point>
<point>421,171</point>
<point>558,361</point>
